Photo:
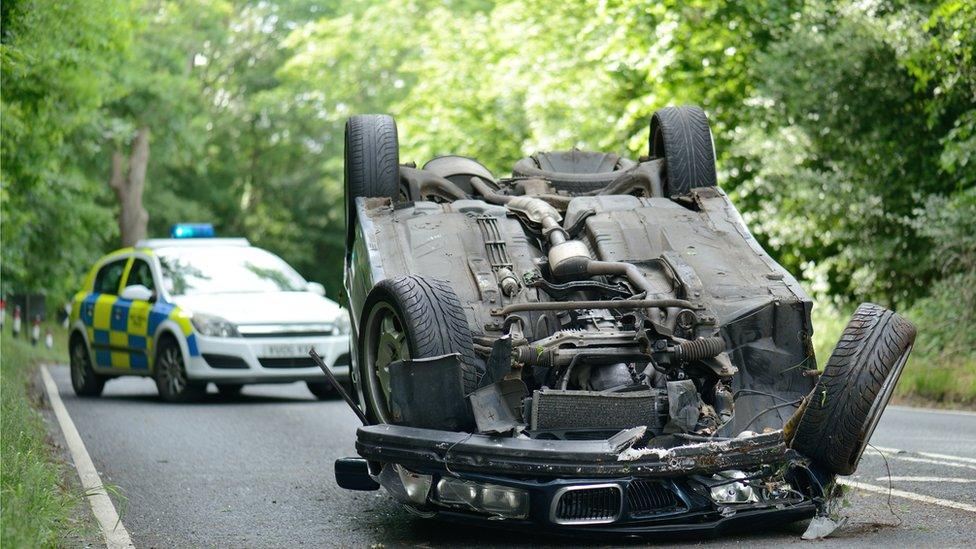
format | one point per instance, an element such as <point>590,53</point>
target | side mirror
<point>316,288</point>
<point>137,292</point>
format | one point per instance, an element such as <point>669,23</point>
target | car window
<point>226,269</point>
<point>109,276</point>
<point>140,273</point>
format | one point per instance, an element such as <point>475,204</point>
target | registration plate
<point>285,350</point>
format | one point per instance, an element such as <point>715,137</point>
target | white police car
<point>195,309</point>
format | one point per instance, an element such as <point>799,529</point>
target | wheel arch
<point>79,330</point>
<point>169,329</point>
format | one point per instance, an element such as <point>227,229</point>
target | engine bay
<point>591,312</point>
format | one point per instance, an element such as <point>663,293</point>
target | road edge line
<point>948,411</point>
<point>116,536</point>
<point>907,495</point>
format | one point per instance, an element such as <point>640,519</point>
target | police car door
<point>136,311</point>
<point>109,349</point>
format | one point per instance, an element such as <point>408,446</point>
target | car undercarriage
<point>593,344</point>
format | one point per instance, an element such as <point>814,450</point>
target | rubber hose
<point>700,349</point>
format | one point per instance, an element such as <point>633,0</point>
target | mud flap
<point>429,393</point>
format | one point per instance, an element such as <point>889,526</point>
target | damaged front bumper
<point>591,486</point>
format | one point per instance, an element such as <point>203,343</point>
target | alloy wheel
<point>386,343</point>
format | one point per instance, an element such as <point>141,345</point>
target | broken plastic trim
<point>425,449</point>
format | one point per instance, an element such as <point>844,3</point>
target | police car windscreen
<point>210,270</point>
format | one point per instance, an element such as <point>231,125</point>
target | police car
<point>194,309</point>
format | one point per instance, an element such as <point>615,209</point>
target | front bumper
<point>422,448</point>
<point>659,490</point>
<point>253,360</point>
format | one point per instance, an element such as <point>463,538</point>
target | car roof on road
<point>154,243</point>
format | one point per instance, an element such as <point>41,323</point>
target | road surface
<point>256,471</point>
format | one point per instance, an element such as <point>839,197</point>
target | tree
<point>163,98</point>
<point>58,61</point>
<point>128,182</point>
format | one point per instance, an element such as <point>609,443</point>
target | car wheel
<point>323,390</point>
<point>84,380</point>
<point>682,137</point>
<point>573,171</point>
<point>372,163</point>
<point>229,389</point>
<point>856,385</point>
<point>411,317</point>
<point>170,373</point>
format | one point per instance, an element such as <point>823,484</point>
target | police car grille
<point>289,362</point>
<point>225,361</point>
<point>317,333</point>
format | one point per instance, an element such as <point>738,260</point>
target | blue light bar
<point>192,230</point>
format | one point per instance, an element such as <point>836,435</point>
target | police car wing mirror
<point>136,292</point>
<point>316,288</point>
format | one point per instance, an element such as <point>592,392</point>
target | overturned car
<point>592,345</point>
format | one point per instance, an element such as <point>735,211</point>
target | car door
<point>138,340</point>
<point>109,350</point>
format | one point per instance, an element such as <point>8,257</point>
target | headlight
<point>212,325</point>
<point>342,324</point>
<point>491,499</point>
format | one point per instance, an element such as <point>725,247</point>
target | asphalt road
<point>256,471</point>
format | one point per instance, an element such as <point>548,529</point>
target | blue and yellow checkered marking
<point>122,331</point>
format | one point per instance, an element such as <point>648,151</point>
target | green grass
<point>936,375</point>
<point>37,508</point>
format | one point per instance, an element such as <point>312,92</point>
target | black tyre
<point>856,385</point>
<point>170,374</point>
<point>84,380</point>
<point>411,317</point>
<point>323,390</point>
<point>229,390</point>
<point>372,163</point>
<point>573,171</point>
<point>682,137</point>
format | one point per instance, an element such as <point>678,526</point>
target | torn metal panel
<point>496,406</point>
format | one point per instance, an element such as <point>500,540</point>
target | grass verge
<point>937,375</point>
<point>38,508</point>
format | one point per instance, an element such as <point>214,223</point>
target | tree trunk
<point>128,184</point>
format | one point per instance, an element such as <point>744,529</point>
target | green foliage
<point>57,65</point>
<point>948,313</point>
<point>845,131</point>
<point>847,141</point>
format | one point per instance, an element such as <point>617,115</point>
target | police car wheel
<point>171,380</point>
<point>322,390</point>
<point>84,380</point>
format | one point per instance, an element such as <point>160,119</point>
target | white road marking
<point>928,454</point>
<point>902,457</point>
<point>932,410</point>
<point>116,536</point>
<point>929,479</point>
<point>907,495</point>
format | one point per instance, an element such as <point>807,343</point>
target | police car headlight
<point>214,326</point>
<point>342,324</point>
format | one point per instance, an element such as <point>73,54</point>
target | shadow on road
<point>214,398</point>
